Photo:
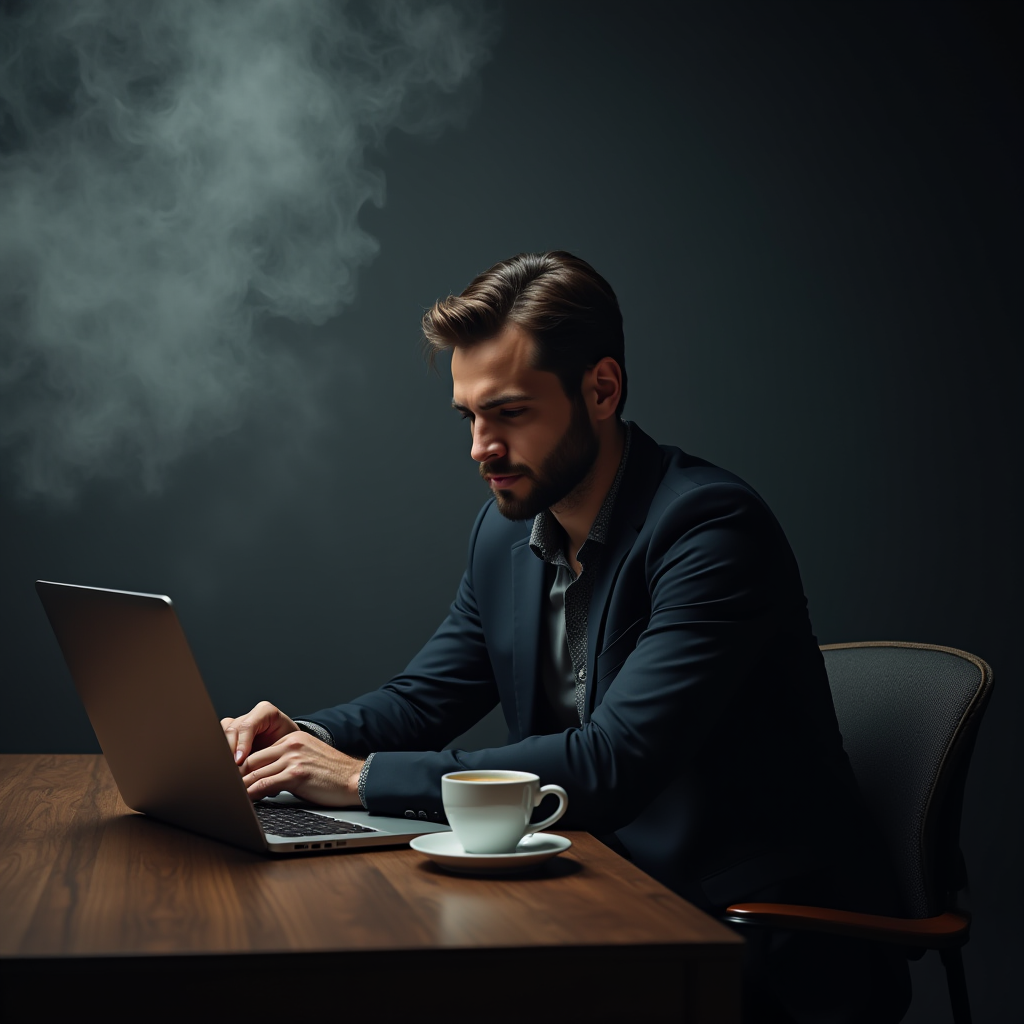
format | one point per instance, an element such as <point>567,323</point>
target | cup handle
<point>563,806</point>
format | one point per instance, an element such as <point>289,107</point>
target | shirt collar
<point>547,536</point>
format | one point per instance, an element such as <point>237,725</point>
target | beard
<point>559,476</point>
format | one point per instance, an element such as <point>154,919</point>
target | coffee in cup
<point>489,811</point>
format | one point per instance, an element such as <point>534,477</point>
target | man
<point>640,617</point>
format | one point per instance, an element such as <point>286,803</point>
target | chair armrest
<point>931,932</point>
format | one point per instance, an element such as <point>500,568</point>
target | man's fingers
<point>295,743</point>
<point>243,741</point>
<point>230,733</point>
<point>261,758</point>
<point>264,725</point>
<point>239,735</point>
<point>264,763</point>
<point>267,781</point>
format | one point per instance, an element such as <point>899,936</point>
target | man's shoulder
<point>684,471</point>
<point>683,492</point>
<point>667,472</point>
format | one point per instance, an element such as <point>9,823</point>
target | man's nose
<point>486,444</point>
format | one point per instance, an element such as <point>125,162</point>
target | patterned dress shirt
<point>569,602</point>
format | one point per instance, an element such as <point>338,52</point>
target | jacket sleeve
<point>446,688</point>
<point>717,574</point>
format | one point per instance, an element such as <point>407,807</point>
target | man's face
<point>534,445</point>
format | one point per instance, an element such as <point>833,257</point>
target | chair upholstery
<point>909,716</point>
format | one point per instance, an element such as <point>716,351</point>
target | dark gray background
<point>811,215</point>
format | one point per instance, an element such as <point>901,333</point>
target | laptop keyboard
<point>293,821</point>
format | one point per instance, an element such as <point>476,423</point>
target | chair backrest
<point>909,715</point>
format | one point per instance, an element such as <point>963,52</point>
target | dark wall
<point>811,215</point>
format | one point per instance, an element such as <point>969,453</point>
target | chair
<point>909,715</point>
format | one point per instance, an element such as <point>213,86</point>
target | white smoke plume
<point>172,174</point>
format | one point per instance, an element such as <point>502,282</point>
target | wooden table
<point>107,915</point>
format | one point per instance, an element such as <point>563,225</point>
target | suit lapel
<point>641,480</point>
<point>611,560</point>
<point>527,610</point>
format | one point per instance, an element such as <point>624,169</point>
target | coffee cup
<point>489,811</point>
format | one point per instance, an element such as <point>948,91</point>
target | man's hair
<point>559,299</point>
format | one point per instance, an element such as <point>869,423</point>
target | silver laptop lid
<point>136,676</point>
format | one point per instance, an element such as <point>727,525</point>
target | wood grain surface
<point>84,881</point>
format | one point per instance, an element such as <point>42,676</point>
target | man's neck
<point>576,514</point>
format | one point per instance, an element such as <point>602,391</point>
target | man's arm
<point>720,582</point>
<point>447,688</point>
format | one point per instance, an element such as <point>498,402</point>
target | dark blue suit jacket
<point>710,746</point>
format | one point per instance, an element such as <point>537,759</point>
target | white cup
<point>489,811</point>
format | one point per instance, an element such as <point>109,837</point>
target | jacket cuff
<point>361,784</point>
<point>315,730</point>
<point>408,784</point>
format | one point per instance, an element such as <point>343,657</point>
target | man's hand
<point>261,727</point>
<point>305,766</point>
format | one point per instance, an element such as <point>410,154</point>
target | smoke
<point>174,174</point>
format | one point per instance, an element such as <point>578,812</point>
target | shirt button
<point>423,815</point>
<point>410,814</point>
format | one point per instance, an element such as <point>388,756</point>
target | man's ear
<point>602,388</point>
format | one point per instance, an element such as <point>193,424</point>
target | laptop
<point>163,742</point>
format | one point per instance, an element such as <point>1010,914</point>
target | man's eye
<point>512,413</point>
<point>465,416</point>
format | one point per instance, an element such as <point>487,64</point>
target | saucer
<point>447,852</point>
